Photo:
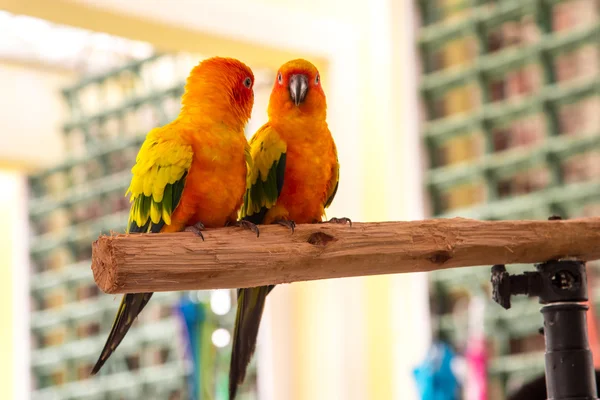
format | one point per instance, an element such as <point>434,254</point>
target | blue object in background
<point>193,315</point>
<point>435,378</point>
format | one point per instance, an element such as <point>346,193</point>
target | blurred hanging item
<point>435,378</point>
<point>199,349</point>
<point>592,321</point>
<point>191,316</point>
<point>476,379</point>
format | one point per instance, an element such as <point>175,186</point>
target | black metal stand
<point>562,287</point>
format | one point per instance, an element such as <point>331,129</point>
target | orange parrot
<point>192,172</point>
<point>294,178</point>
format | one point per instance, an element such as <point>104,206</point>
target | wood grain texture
<point>233,258</point>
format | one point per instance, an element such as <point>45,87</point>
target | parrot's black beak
<point>298,88</point>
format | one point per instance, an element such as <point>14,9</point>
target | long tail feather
<point>250,307</point>
<point>131,306</point>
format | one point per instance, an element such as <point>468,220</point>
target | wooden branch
<point>232,257</point>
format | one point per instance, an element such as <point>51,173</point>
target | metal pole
<point>562,287</point>
<point>569,365</point>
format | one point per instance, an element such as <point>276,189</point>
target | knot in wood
<point>440,257</point>
<point>320,239</point>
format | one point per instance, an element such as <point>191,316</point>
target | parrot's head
<point>220,88</point>
<point>297,92</point>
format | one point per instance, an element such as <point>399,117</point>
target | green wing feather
<point>265,178</point>
<point>156,188</point>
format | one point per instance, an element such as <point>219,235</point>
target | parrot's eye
<point>248,82</point>
<point>279,78</point>
<point>318,79</point>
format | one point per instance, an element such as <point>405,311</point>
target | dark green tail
<point>251,303</point>
<point>131,306</point>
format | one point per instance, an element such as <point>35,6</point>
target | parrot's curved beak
<point>298,88</point>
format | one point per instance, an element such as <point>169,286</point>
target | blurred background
<point>441,108</point>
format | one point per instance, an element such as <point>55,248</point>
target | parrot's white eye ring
<point>279,78</point>
<point>318,79</point>
<point>248,82</point>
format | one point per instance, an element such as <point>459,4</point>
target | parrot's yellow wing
<point>265,177</point>
<point>158,180</point>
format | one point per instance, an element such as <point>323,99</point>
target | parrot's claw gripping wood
<point>197,229</point>
<point>245,225</point>
<point>342,220</point>
<point>287,223</point>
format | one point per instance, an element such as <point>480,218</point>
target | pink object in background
<point>476,385</point>
<point>475,352</point>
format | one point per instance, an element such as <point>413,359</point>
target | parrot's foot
<point>197,228</point>
<point>342,220</point>
<point>286,223</point>
<point>245,225</point>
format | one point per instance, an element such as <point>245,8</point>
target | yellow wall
<point>13,345</point>
<point>6,302</point>
<point>31,111</point>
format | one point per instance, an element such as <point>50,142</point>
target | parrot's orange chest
<point>309,164</point>
<point>216,181</point>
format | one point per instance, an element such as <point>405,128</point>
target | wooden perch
<point>232,257</point>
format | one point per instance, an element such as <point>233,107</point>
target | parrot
<point>192,172</point>
<point>294,177</point>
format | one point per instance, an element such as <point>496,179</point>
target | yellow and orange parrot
<point>293,179</point>
<point>192,172</point>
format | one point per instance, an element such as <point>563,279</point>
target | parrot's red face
<point>297,91</point>
<point>221,86</point>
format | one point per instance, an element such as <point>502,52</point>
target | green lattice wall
<point>510,95</point>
